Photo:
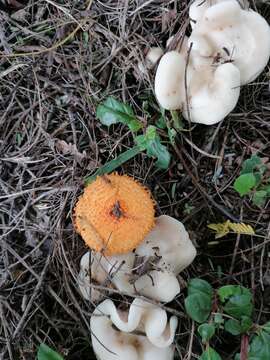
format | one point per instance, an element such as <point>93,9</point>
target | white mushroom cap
<point>170,240</point>
<point>168,250</point>
<point>113,270</point>
<point>198,8</point>
<point>234,34</point>
<point>109,343</point>
<point>159,285</point>
<point>169,80</point>
<point>213,94</point>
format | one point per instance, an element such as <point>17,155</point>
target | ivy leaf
<point>151,143</point>
<point>210,354</point>
<point>259,348</point>
<point>250,164</point>
<point>245,183</point>
<point>236,327</point>
<point>199,286</point>
<point>112,111</point>
<point>198,307</point>
<point>237,299</point>
<point>206,331</point>
<point>46,353</point>
<point>259,197</point>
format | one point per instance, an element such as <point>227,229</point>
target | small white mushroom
<point>169,80</point>
<point>213,93</point>
<point>112,338</point>
<point>169,240</point>
<point>165,252</point>
<point>233,35</point>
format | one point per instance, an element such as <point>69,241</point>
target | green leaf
<point>259,348</point>
<point>161,122</point>
<point>236,327</point>
<point>113,164</point>
<point>218,319</point>
<point>250,164</point>
<point>199,286</point>
<point>112,111</point>
<point>206,331</point>
<point>198,306</point>
<point>266,327</point>
<point>259,197</point>
<point>151,143</point>
<point>225,292</point>
<point>238,300</point>
<point>210,354</point>
<point>46,353</point>
<point>244,183</point>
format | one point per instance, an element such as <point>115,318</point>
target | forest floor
<point>58,61</point>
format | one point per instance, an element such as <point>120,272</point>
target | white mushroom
<point>169,240</point>
<point>169,80</point>
<point>212,93</point>
<point>165,252</point>
<point>105,271</point>
<point>233,35</point>
<point>198,8</point>
<point>153,338</point>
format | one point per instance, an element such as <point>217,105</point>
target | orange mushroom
<point>114,214</point>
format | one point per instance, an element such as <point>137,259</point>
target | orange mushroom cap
<point>114,214</point>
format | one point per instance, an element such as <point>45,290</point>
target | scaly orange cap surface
<point>114,214</point>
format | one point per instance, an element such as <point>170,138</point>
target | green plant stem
<point>177,123</point>
<point>113,164</point>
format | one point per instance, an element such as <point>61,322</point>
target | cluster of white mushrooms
<point>144,331</point>
<point>229,46</point>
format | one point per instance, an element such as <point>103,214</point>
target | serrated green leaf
<point>46,353</point>
<point>151,143</point>
<point>245,183</point>
<point>198,306</point>
<point>206,331</point>
<point>259,197</point>
<point>197,286</point>
<point>210,354</point>
<point>250,164</point>
<point>112,111</point>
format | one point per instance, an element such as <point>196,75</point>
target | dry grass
<point>50,139</point>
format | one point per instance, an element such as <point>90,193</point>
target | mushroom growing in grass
<point>151,270</point>
<point>114,214</point>
<point>142,333</point>
<point>234,35</point>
